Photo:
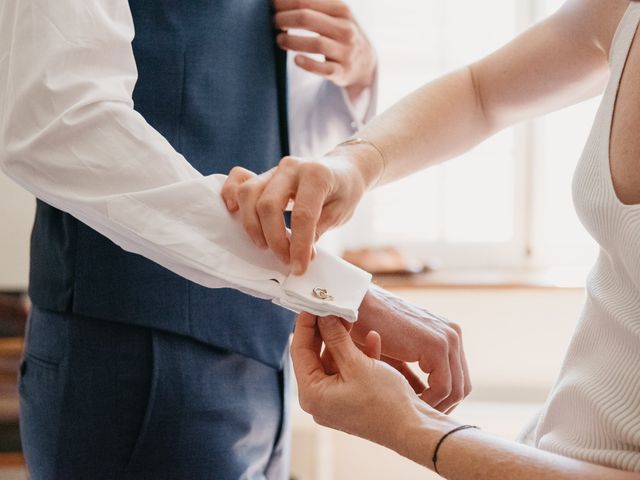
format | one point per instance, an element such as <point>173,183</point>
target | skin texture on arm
<point>363,396</point>
<point>556,63</point>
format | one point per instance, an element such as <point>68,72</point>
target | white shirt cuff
<point>342,284</point>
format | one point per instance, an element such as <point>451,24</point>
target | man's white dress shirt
<point>70,135</point>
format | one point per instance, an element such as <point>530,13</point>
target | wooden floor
<point>12,467</point>
<point>11,460</point>
<point>13,474</point>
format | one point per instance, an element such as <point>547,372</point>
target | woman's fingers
<point>324,194</point>
<point>305,349</point>
<point>338,342</point>
<point>237,176</point>
<point>328,363</point>
<point>313,189</point>
<point>262,200</point>
<point>248,194</point>
<point>270,208</point>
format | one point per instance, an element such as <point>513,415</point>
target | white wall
<point>16,218</point>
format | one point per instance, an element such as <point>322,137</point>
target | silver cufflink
<point>322,294</point>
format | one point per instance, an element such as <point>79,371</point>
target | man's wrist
<point>365,313</point>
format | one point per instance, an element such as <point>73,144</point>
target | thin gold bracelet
<point>363,141</point>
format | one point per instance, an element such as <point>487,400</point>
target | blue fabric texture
<point>132,372</point>
<point>102,400</point>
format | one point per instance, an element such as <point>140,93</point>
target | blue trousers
<point>103,400</point>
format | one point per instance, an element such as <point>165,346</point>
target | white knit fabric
<point>593,411</point>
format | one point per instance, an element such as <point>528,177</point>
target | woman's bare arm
<point>558,62</point>
<point>475,454</point>
<point>365,397</point>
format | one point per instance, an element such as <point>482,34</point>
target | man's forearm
<point>473,454</point>
<point>72,138</point>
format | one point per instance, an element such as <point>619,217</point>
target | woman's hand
<point>352,391</point>
<point>350,59</point>
<point>346,389</point>
<point>325,195</point>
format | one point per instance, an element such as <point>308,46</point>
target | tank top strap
<point>622,41</point>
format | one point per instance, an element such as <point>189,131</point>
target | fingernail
<point>259,243</point>
<point>230,205</point>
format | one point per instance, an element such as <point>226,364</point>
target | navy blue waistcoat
<point>212,81</point>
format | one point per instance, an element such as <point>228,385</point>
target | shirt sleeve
<point>70,135</point>
<point>321,114</point>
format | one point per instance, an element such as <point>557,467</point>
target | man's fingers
<point>465,367</point>
<point>312,191</point>
<point>457,382</point>
<point>313,21</point>
<point>439,381</point>
<point>237,176</point>
<point>372,347</point>
<point>338,342</point>
<point>331,49</point>
<point>414,380</point>
<point>305,348</point>
<point>335,8</point>
<point>326,69</point>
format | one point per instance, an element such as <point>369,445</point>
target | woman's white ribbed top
<point>593,411</point>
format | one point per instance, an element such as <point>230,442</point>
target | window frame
<point>518,253</point>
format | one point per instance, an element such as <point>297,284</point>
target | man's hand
<point>350,59</point>
<point>412,334</point>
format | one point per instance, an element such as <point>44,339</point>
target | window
<point>508,202</point>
